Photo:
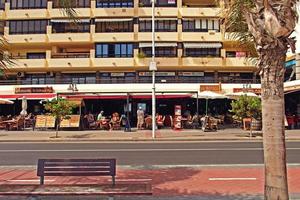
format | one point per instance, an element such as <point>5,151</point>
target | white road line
<point>131,150</point>
<point>232,179</point>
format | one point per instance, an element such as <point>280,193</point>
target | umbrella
<point>237,94</point>
<point>209,95</point>
<point>6,101</point>
<point>24,106</point>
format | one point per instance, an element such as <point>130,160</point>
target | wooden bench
<point>76,167</point>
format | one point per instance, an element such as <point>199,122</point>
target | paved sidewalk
<point>174,182</point>
<point>144,135</point>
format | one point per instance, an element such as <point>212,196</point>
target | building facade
<point>111,43</point>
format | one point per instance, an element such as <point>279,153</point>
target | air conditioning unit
<point>20,74</point>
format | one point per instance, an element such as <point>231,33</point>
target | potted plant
<point>247,109</point>
<point>141,55</point>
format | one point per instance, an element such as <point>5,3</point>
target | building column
<point>216,76</point>
<point>297,66</point>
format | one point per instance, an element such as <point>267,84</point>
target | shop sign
<point>253,90</point>
<point>212,88</point>
<point>171,1</point>
<point>157,73</point>
<point>191,74</point>
<point>117,74</point>
<point>34,90</point>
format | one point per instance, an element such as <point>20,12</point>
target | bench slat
<point>78,160</point>
<point>76,164</point>
<point>78,174</point>
<point>76,169</point>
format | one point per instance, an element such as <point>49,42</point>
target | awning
<point>28,96</point>
<point>202,45</point>
<point>157,19</point>
<point>165,44</point>
<point>69,21</point>
<point>114,20</point>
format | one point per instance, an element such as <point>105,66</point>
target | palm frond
<point>68,8</point>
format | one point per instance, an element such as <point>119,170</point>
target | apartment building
<point>111,43</point>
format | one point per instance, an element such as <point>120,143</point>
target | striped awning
<point>202,45</point>
<point>158,44</point>
<point>69,20</point>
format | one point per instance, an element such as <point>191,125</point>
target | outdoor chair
<point>148,122</point>
<point>17,125</point>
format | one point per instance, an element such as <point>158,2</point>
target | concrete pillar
<point>297,66</point>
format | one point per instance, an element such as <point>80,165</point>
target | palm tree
<point>268,24</point>
<point>67,7</point>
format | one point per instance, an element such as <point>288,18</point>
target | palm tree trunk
<point>272,76</point>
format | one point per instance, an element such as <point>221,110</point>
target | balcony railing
<point>71,55</point>
<point>122,80</point>
<point>74,3</point>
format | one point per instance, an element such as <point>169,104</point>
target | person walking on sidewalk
<point>140,118</point>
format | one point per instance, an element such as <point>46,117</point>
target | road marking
<point>29,180</point>
<point>232,179</point>
<point>132,150</point>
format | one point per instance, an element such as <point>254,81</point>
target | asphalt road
<point>144,154</point>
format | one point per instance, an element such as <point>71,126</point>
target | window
<point>36,79</point>
<point>68,27</point>
<point>159,3</point>
<point>160,51</point>
<point>2,24</point>
<point>114,3</point>
<point>114,50</point>
<point>160,25</point>
<point>27,27</point>
<point>28,4</point>
<point>74,3</point>
<point>118,26</point>
<point>36,55</point>
<point>202,52</point>
<point>2,4</point>
<point>79,78</point>
<point>201,25</point>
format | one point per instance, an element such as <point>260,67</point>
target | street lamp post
<point>153,68</point>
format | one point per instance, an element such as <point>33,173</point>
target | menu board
<point>72,122</point>
<point>40,121</point>
<point>45,121</point>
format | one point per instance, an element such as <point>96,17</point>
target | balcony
<point>163,63</point>
<point>113,37</point>
<point>210,36</point>
<point>160,36</point>
<point>159,12</point>
<point>200,12</point>
<point>190,63</point>
<point>28,64</point>
<point>26,14</point>
<point>113,12</point>
<point>69,60</point>
<point>242,62</point>
<point>69,37</point>
<point>27,39</point>
<point>114,63</point>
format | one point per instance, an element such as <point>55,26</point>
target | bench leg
<point>113,180</point>
<point>42,180</point>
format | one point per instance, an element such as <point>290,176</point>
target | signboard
<point>253,90</point>
<point>45,121</point>
<point>73,122</point>
<point>177,117</point>
<point>191,73</point>
<point>171,1</point>
<point>212,88</point>
<point>157,73</point>
<point>34,90</point>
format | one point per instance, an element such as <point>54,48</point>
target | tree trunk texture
<point>273,111</point>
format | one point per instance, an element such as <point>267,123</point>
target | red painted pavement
<point>174,181</point>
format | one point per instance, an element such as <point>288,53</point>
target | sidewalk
<point>238,181</point>
<point>144,135</point>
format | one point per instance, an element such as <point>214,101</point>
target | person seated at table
<point>91,120</point>
<point>115,122</point>
<point>100,115</point>
<point>160,120</point>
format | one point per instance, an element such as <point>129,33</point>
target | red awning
<point>27,96</point>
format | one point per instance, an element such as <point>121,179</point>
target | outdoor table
<point>8,123</point>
